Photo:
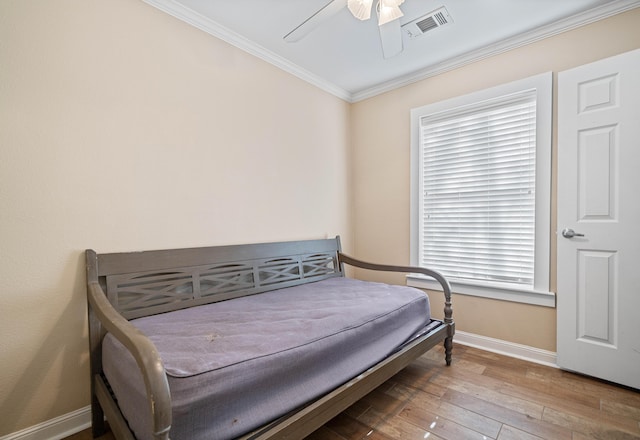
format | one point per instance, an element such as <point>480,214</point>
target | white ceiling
<point>343,55</point>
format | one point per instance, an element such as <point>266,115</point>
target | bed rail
<point>145,354</point>
<point>446,289</point>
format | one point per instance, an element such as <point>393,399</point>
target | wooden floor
<point>484,396</point>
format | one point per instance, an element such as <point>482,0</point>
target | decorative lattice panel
<point>318,265</point>
<point>145,293</point>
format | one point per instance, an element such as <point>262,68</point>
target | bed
<point>250,341</point>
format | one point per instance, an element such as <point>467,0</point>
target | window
<point>481,178</point>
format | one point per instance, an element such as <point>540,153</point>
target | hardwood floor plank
<point>580,436</point>
<point>596,416</point>
<point>358,408</point>
<point>620,408</point>
<point>430,388</point>
<point>418,376</point>
<point>395,427</point>
<point>422,402</point>
<point>377,435</point>
<point>542,392</point>
<point>441,426</point>
<point>511,433</point>
<point>489,360</point>
<point>593,428</point>
<point>325,433</point>
<point>507,416</point>
<point>487,389</point>
<point>384,402</point>
<point>410,394</point>
<point>347,427</point>
<point>622,396</point>
<point>433,359</point>
<point>472,420</point>
<point>595,387</point>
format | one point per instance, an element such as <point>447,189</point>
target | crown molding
<point>209,26</point>
<point>567,24</point>
<point>179,11</point>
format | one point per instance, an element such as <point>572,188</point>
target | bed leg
<point>448,346</point>
<point>98,427</point>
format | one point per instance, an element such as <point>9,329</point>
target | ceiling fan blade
<point>307,26</point>
<point>391,38</point>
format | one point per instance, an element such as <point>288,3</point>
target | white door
<point>598,296</point>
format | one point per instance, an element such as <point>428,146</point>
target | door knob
<point>570,233</point>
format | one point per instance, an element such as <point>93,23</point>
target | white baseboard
<point>55,429</point>
<point>76,421</point>
<point>524,352</point>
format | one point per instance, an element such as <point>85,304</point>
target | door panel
<point>596,297</point>
<point>596,180</point>
<point>599,199</point>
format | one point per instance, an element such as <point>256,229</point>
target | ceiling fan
<point>388,12</point>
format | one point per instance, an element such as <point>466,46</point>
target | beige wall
<point>381,143</point>
<point>122,128</point>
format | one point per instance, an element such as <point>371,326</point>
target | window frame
<point>540,293</point>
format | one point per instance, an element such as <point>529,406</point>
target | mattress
<point>235,365</point>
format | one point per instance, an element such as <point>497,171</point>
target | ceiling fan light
<point>361,9</point>
<point>388,11</point>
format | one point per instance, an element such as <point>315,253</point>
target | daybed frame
<point>123,286</point>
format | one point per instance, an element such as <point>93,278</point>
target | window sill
<point>502,293</point>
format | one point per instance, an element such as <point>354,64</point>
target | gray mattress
<point>235,365</point>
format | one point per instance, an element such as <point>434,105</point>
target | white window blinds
<point>478,172</point>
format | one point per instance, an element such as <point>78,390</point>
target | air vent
<point>426,23</point>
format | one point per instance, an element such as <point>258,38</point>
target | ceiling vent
<point>426,23</point>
